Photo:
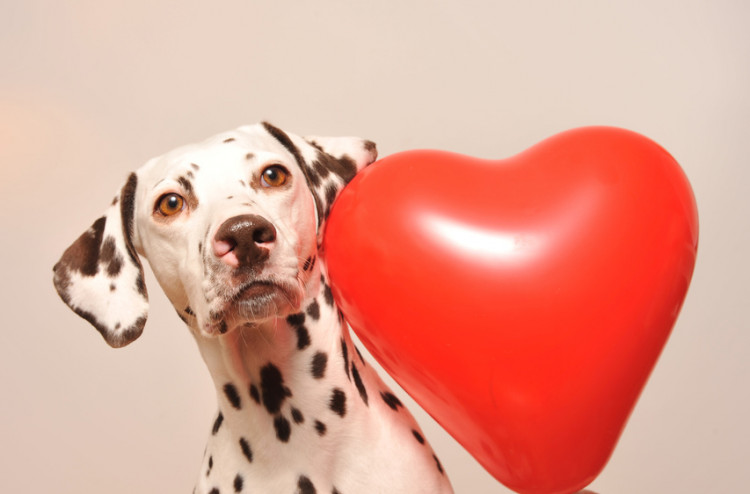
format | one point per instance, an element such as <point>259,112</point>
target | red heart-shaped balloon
<point>522,302</point>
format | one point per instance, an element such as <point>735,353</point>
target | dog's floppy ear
<point>337,162</point>
<point>100,275</point>
<point>329,163</point>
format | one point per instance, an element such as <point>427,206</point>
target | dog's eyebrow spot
<point>242,183</point>
<point>195,167</point>
<point>230,197</point>
<point>187,187</point>
<point>229,139</point>
<point>249,156</point>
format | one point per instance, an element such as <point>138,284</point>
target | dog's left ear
<point>100,275</point>
<point>329,163</point>
<point>337,162</point>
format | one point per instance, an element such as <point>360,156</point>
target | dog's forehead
<point>243,146</point>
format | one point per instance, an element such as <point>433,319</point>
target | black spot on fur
<point>319,364</point>
<point>254,393</point>
<point>215,490</point>
<point>313,310</point>
<point>303,338</point>
<point>344,167</point>
<point>110,258</point>
<point>313,177</point>
<point>186,185</point>
<point>296,319</point>
<point>391,400</point>
<point>332,191</point>
<point>189,311</point>
<point>437,462</point>
<point>112,287</point>
<point>127,210</point>
<point>305,486</point>
<point>231,393</point>
<point>418,436</point>
<point>360,385</point>
<point>283,428</point>
<point>229,139</point>
<point>217,423</point>
<point>238,483</point>
<point>223,327</point>
<point>319,167</point>
<point>335,491</point>
<point>273,390</point>
<point>361,359</point>
<point>328,295</point>
<point>195,167</point>
<point>320,427</point>
<point>249,156</point>
<point>345,354</point>
<point>297,416</point>
<point>337,402</point>
<point>83,255</point>
<point>210,465</point>
<point>246,451</point>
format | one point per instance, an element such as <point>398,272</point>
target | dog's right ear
<point>100,275</point>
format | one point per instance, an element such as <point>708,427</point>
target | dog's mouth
<point>254,302</point>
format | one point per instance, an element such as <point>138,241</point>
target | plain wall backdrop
<point>89,90</point>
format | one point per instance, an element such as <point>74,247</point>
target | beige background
<point>90,89</point>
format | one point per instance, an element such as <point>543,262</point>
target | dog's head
<point>231,228</point>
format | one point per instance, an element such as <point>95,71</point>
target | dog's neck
<point>288,376</point>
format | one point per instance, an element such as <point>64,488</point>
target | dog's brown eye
<point>170,204</point>
<point>274,176</point>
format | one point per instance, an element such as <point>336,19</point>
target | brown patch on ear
<point>127,210</point>
<point>83,255</point>
<point>344,167</point>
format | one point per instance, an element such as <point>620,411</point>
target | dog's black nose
<point>243,241</point>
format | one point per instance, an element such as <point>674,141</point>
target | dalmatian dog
<point>232,230</point>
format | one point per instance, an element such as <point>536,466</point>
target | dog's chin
<point>254,303</point>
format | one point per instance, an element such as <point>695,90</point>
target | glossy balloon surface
<point>522,302</point>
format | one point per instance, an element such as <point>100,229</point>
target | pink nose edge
<point>225,251</point>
